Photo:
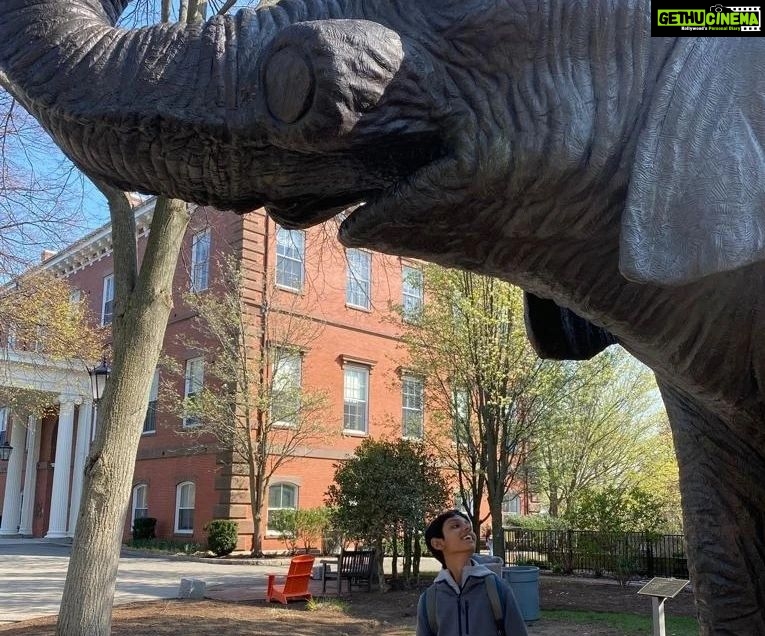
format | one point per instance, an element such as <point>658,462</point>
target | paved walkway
<point>32,574</point>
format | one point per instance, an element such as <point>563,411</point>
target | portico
<point>24,503</point>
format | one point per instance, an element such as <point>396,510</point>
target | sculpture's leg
<point>722,486</point>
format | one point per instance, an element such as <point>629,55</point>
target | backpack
<point>491,591</point>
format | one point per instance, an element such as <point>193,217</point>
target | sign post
<point>660,590</point>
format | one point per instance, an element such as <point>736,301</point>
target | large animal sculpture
<point>617,178</point>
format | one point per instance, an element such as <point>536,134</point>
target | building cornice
<point>97,245</point>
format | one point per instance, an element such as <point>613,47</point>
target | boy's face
<point>458,537</point>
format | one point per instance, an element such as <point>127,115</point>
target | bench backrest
<point>357,563</point>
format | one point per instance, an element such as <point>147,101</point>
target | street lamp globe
<point>5,451</point>
<point>98,377</point>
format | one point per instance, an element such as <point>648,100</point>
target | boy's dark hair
<point>435,530</point>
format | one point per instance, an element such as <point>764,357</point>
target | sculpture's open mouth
<point>378,170</point>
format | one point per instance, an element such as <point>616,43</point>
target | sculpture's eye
<point>288,84</point>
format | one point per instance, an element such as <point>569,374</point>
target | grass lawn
<point>627,624</point>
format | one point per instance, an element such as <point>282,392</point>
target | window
<point>412,291</point>
<point>195,375</point>
<point>140,503</point>
<point>150,421</point>
<point>290,255</point>
<point>280,497</point>
<point>461,415</point>
<point>511,504</point>
<point>411,402</point>
<point>3,425</point>
<point>285,390</point>
<point>356,398</point>
<point>359,278</point>
<point>184,508</point>
<point>200,260</point>
<point>107,302</point>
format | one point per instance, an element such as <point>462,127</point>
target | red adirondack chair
<point>296,584</point>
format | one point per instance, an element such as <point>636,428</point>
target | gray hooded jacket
<point>465,610</point>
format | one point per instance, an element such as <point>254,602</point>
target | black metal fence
<point>619,554</point>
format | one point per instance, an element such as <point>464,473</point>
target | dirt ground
<point>390,614</point>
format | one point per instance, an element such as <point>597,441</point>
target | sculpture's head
<point>465,130</point>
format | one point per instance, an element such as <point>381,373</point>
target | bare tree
<point>253,401</point>
<point>40,191</point>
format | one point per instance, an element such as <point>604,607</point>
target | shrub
<point>144,527</point>
<point>221,536</point>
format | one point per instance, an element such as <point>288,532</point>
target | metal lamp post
<point>98,377</point>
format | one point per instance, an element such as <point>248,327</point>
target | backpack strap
<point>430,608</point>
<point>492,592</point>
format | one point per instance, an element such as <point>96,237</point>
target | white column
<point>12,498</point>
<point>59,500</point>
<point>81,448</point>
<point>30,476</point>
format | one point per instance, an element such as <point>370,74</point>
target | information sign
<point>663,588</point>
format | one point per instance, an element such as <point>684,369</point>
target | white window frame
<point>151,407</point>
<point>508,500</point>
<point>4,424</point>
<point>107,300</point>
<point>412,405</point>
<point>358,284</point>
<point>290,251</point>
<point>144,488</point>
<point>178,493</point>
<point>194,380</point>
<point>411,292</point>
<point>200,261</point>
<point>287,376</point>
<point>282,484</point>
<point>350,400</point>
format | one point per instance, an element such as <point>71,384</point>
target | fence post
<point>649,555</point>
<point>570,544</point>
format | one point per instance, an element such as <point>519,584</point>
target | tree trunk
<point>143,304</point>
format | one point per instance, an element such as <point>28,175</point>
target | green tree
<point>384,494</point>
<point>41,322</point>
<point>252,401</point>
<point>487,390</point>
<point>600,432</point>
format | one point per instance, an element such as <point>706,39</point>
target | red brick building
<point>355,357</point>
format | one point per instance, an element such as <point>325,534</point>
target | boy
<point>459,602</point>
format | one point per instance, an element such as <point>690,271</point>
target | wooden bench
<point>354,566</point>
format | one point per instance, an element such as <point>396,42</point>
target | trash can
<point>524,580</point>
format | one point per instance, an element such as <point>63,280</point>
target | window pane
<point>411,399</point>
<point>185,507</point>
<point>290,253</point>
<point>107,305</point>
<point>511,504</point>
<point>359,278</point>
<point>280,497</point>
<point>200,259</point>
<point>412,291</point>
<point>185,519</point>
<point>355,403</point>
<point>285,392</point>
<point>187,496</point>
